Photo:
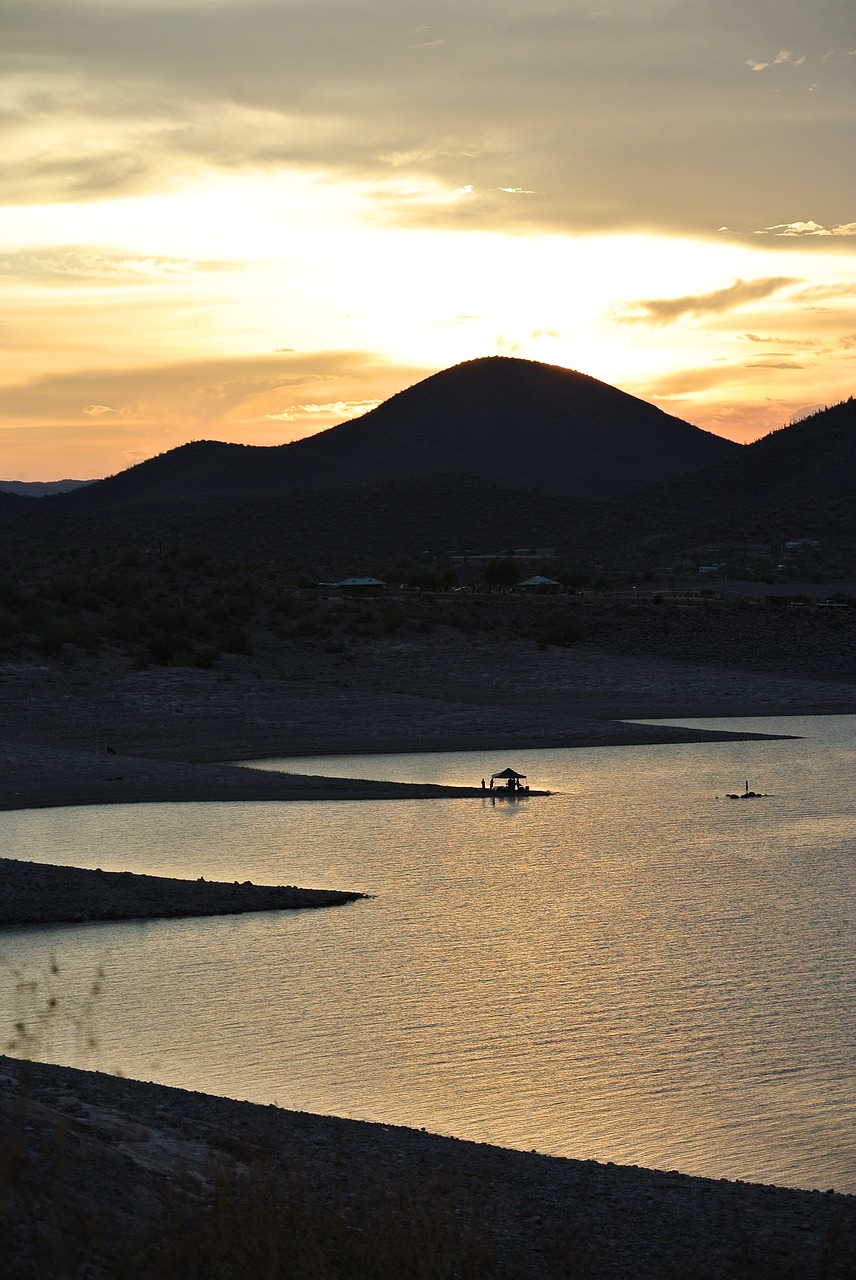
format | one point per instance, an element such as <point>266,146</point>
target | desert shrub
<point>126,625</point>
<point>559,631</point>
<point>120,588</point>
<point>284,602</point>
<point>207,656</point>
<point>12,592</point>
<point>392,620</point>
<point>57,632</point>
<point>236,639</point>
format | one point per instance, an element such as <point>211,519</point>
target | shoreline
<point>36,777</point>
<point>373,1198</point>
<point>161,1166</point>
<point>38,893</point>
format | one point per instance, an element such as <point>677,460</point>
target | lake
<point>633,969</point>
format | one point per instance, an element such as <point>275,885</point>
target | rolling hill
<point>505,421</point>
<point>372,490</point>
<point>795,483</point>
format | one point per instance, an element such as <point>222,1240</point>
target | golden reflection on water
<point>631,970</point>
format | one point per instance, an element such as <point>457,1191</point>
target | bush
<point>559,631</point>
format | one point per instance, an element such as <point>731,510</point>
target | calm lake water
<point>632,969</point>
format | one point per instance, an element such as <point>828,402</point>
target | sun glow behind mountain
<point>246,265</point>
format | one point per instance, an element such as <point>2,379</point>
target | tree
<point>504,571</point>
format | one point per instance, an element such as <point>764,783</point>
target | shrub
<point>559,631</point>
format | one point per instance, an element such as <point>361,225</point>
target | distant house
<point>361,587</point>
<point>540,584</point>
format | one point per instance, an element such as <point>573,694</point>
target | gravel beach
<point>367,1199</point>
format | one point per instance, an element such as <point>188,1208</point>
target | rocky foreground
<point>104,1177</point>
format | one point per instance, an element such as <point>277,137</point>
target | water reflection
<point>630,970</point>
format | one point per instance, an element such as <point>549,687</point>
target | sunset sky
<point>247,220</point>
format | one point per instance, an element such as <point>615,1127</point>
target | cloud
<point>776,364</point>
<point>636,116</point>
<point>338,409</point>
<point>818,292</point>
<point>808,229</point>
<point>781,342</point>
<point>742,292</point>
<point>76,266</point>
<point>221,398</point>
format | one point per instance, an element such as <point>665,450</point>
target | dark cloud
<point>639,114</point>
<point>667,310</point>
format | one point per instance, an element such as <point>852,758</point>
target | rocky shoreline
<point>167,1183</point>
<point>36,893</point>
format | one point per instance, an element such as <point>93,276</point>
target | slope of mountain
<point>795,483</point>
<point>511,422</point>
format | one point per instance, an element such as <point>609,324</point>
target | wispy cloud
<point>780,342</point>
<point>338,409</point>
<point>742,292</point>
<point>823,292</point>
<point>776,364</point>
<point>808,229</point>
<point>206,394</point>
<point>77,266</point>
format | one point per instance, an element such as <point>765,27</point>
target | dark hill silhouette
<point>797,482</point>
<point>511,422</point>
<point>356,493</point>
<point>374,522</point>
<point>522,423</point>
<point>13,505</point>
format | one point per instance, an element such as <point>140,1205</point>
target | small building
<point>540,585</point>
<point>361,587</point>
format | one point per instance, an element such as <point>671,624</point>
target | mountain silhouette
<point>460,462</point>
<point>507,421</point>
<point>523,423</point>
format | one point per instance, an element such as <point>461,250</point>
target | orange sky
<point>249,221</point>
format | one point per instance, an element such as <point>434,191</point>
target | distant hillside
<point>795,483</point>
<point>40,488</point>
<point>509,422</point>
